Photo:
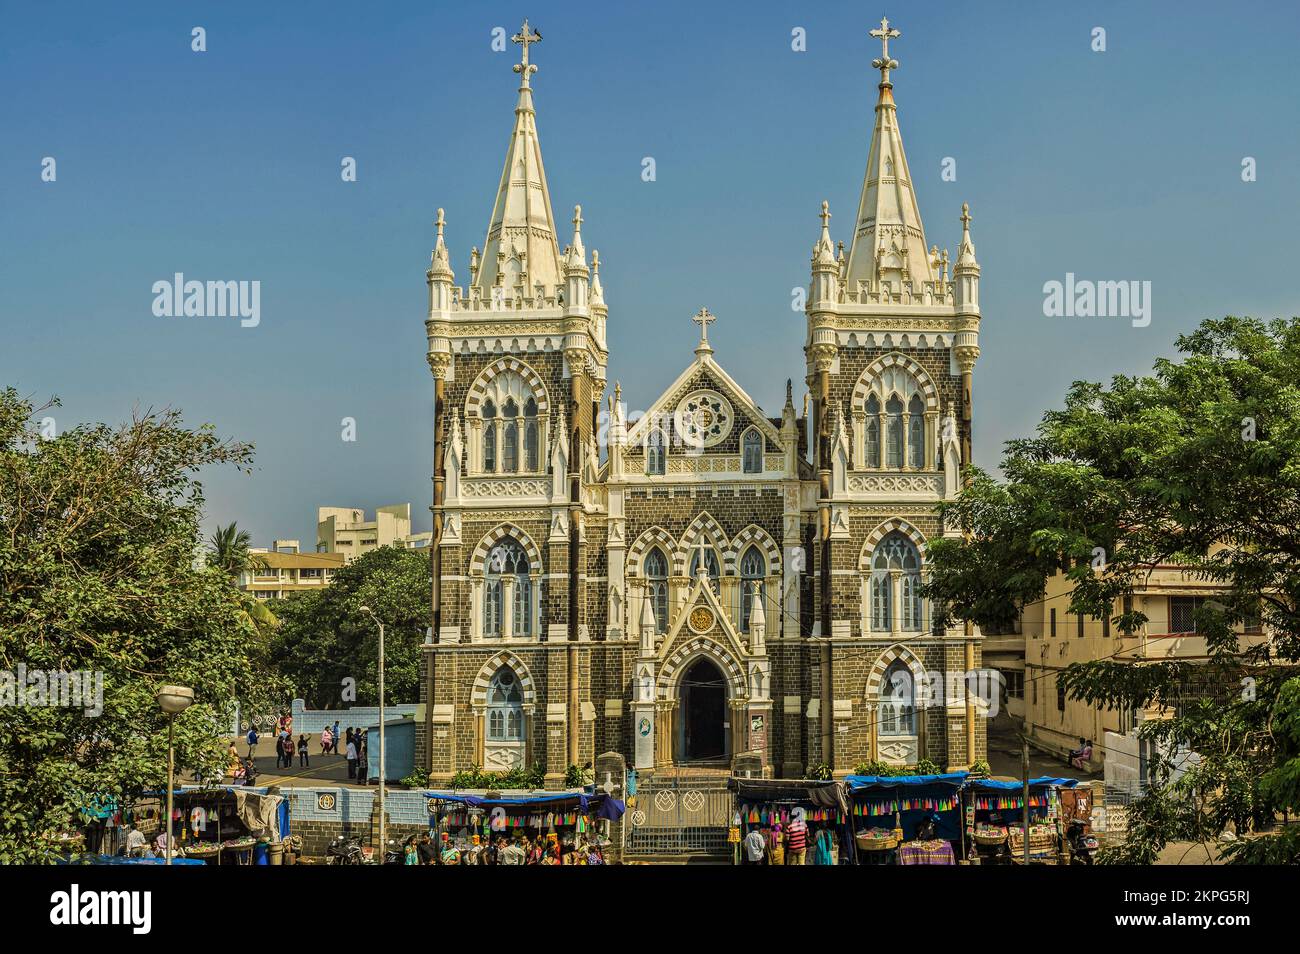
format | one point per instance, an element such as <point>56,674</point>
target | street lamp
<point>383,773</point>
<point>173,700</point>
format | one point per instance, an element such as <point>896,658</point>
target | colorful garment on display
<point>1002,802</point>
<point>770,814</point>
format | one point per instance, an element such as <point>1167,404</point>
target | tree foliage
<point>325,644</point>
<point>100,571</point>
<point>1197,464</point>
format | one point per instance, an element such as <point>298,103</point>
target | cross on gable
<point>525,36</point>
<point>883,62</point>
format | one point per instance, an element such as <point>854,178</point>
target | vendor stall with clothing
<point>800,821</point>
<point>557,827</point>
<point>230,825</point>
<point>906,819</point>
<point>995,810</point>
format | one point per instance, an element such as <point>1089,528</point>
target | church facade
<point>706,580</point>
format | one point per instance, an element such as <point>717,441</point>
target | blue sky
<point>225,165</point>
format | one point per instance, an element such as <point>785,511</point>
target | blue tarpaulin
<point>949,780</point>
<point>551,801</point>
<point>992,784</point>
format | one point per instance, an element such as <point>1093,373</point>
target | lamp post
<point>173,700</point>
<point>383,773</point>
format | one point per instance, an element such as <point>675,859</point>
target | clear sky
<point>1116,165</point>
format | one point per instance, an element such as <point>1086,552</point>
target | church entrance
<point>703,714</point>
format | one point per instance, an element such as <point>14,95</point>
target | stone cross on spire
<point>525,36</point>
<point>704,318</point>
<point>440,222</point>
<point>883,62</point>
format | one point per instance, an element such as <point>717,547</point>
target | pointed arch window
<point>710,564</point>
<point>897,700</point>
<point>531,456</point>
<point>655,453</point>
<point>510,438</point>
<point>656,571</point>
<point>505,709</point>
<point>872,437</point>
<point>915,433</point>
<point>489,438</point>
<point>752,452</point>
<point>507,588</point>
<point>753,568</point>
<point>896,584</point>
<point>894,433</point>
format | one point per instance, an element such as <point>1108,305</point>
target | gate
<point>680,816</point>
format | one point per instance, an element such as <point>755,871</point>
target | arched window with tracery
<point>872,435</point>
<point>895,585</point>
<point>915,433</point>
<point>505,708</point>
<point>510,439</point>
<point>753,569</point>
<point>531,456</point>
<point>507,589</point>
<point>512,424</point>
<point>894,433</point>
<point>710,563</point>
<point>656,452</point>
<point>656,573</point>
<point>897,699</point>
<point>752,452</point>
<point>489,438</point>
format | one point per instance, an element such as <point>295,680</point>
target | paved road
<point>1004,756</point>
<point>321,770</point>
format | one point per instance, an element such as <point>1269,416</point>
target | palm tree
<point>228,550</point>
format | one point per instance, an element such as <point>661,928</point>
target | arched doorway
<point>703,713</point>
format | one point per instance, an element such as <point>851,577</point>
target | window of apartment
<point>1250,624</point>
<point>343,543</point>
<point>264,594</point>
<point>1060,694</point>
<point>1105,624</point>
<point>309,574</point>
<point>1014,679</point>
<point>1053,629</point>
<point>1182,613</point>
<point>268,573</point>
<point>1128,608</point>
<point>1034,681</point>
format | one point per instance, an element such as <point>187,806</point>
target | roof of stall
<point>1012,785</point>
<point>857,783</point>
<point>807,791</point>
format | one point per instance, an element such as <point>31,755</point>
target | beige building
<point>1051,638</point>
<point>284,569</point>
<point>346,531</point>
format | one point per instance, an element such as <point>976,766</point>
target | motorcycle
<point>344,851</point>
<point>395,855</point>
<point>1082,844</point>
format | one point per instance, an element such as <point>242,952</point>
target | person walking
<point>363,759</point>
<point>334,737</point>
<point>279,751</point>
<point>303,760</point>
<point>352,755</point>
<point>251,739</point>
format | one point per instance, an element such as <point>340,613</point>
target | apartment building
<point>284,569</point>
<point>346,531</point>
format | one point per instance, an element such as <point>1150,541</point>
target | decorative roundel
<point>704,418</point>
<point>701,619</point>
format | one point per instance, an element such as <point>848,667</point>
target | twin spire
<point>888,237</point>
<point>521,246</point>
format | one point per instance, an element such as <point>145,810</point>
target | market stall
<point>230,824</point>
<point>770,806</point>
<point>906,819</point>
<point>558,823</point>
<point>995,811</point>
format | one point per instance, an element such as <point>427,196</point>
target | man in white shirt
<point>755,847</point>
<point>135,842</point>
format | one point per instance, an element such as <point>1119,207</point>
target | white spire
<point>521,233</point>
<point>440,264</point>
<point>888,238</point>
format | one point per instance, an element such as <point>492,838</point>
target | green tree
<point>325,644</point>
<point>99,572</point>
<point>228,550</point>
<point>1198,465</point>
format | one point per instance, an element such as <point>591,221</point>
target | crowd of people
<point>789,845</point>
<point>354,746</point>
<point>503,850</point>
